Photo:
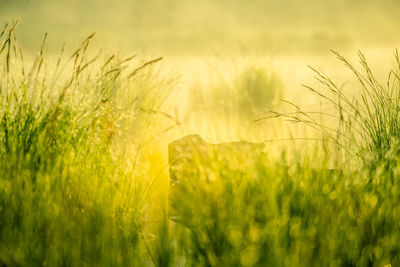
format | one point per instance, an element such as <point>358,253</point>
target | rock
<point>201,171</point>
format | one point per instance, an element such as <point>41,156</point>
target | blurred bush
<point>249,94</point>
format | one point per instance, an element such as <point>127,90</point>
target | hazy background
<point>212,46</point>
<point>201,27</point>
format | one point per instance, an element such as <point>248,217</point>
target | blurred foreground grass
<point>77,182</point>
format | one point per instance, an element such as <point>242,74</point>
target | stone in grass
<point>200,172</point>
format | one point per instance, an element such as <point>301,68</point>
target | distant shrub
<point>258,90</point>
<point>250,93</point>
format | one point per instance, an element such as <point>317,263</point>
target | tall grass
<point>74,190</point>
<point>71,192</point>
<point>369,125</point>
<point>304,214</point>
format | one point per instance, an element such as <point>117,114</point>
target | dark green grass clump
<point>69,196</point>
